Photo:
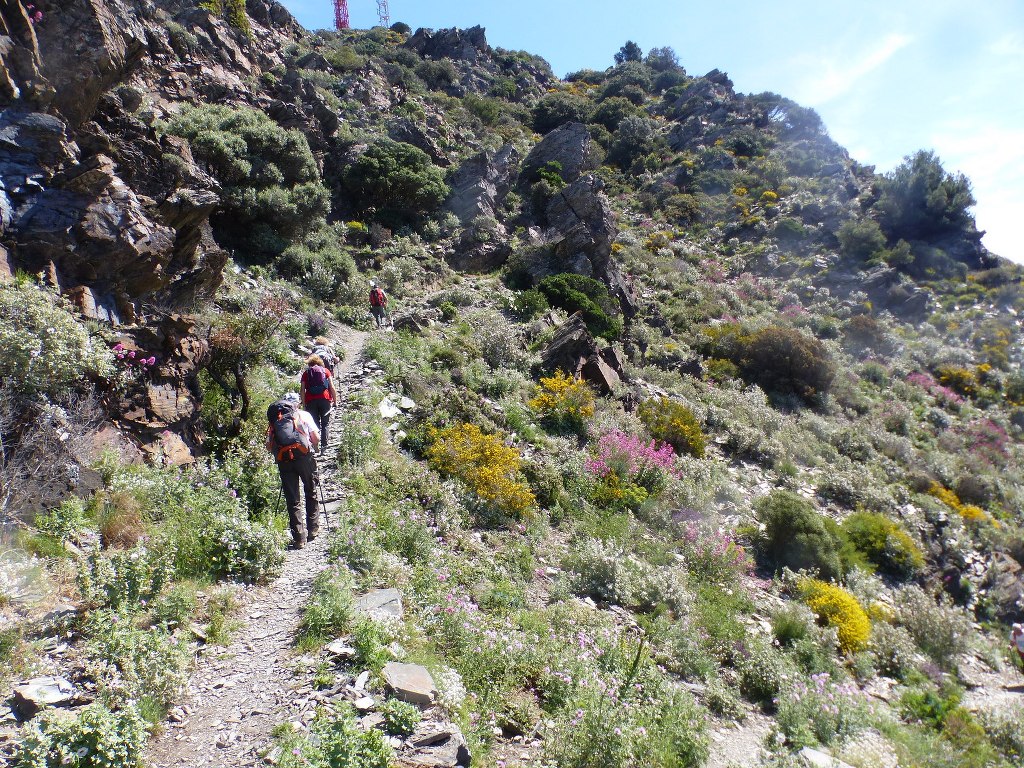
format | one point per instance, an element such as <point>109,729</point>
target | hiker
<point>378,303</point>
<point>292,436</point>
<point>1017,640</point>
<point>322,349</point>
<point>318,395</point>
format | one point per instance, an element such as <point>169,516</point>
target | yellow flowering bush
<point>488,467</point>
<point>563,402</point>
<point>673,423</point>
<point>968,512</point>
<point>838,608</point>
<point>963,381</point>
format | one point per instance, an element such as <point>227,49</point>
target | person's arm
<point>302,388</point>
<point>330,387</point>
<point>311,429</point>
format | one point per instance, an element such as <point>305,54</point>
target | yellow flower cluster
<point>488,467</point>
<point>838,608</point>
<point>673,423</point>
<point>563,400</point>
<point>968,512</point>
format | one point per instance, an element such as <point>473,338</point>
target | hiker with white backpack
<point>318,395</point>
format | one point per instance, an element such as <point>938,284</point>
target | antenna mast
<point>383,14</point>
<point>341,14</point>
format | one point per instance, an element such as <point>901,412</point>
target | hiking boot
<point>298,544</point>
<point>311,536</point>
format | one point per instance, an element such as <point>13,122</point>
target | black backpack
<point>316,380</point>
<point>289,443</point>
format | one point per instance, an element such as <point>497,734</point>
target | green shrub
<point>672,422</point>
<point>44,345</point>
<point>893,649</point>
<point>787,361</point>
<point>360,436</point>
<point>399,180</point>
<point>94,737</point>
<point>919,200</point>
<point>65,522</point>
<point>884,543</point>
<point>329,611</point>
<point>400,718</point>
<point>529,304</point>
<point>795,536</point>
<point>148,667</point>
<point>577,293</point>
<point>940,629</point>
<point>556,109</point>
<point>122,579</point>
<point>821,711</point>
<point>272,190</point>
<point>335,740</point>
<point>762,671</point>
<point>176,607</point>
<point>791,623</point>
<point>860,238</point>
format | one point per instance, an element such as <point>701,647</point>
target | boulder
<point>575,351</point>
<point>32,696</point>
<point>405,130</point>
<point>1004,582</point>
<point>817,759</point>
<point>569,145</point>
<point>481,182</point>
<point>455,44</point>
<point>435,746</point>
<point>381,604</point>
<point>410,682</point>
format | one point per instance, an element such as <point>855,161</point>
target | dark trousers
<point>379,313</point>
<point>320,410</point>
<point>292,472</point>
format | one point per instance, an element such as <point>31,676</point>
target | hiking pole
<point>280,495</point>
<point>323,503</point>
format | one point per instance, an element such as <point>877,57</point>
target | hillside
<point>691,441</point>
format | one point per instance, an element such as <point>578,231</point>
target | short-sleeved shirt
<point>326,394</point>
<point>307,424</point>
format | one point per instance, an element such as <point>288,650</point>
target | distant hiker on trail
<point>318,395</point>
<point>292,436</point>
<point>378,303</point>
<point>322,349</point>
<point>1017,640</point>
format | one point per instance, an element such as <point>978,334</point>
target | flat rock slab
<point>410,682</point>
<point>381,604</point>
<point>41,692</point>
<point>816,759</point>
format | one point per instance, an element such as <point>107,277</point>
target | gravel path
<point>239,693</point>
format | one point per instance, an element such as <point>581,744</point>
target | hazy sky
<point>889,77</point>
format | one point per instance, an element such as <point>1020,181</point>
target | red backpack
<point>376,297</point>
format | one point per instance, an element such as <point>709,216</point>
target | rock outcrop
<point>570,146</point>
<point>481,183</point>
<point>574,350</point>
<point>456,44</point>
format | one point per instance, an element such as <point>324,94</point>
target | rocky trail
<point>239,693</point>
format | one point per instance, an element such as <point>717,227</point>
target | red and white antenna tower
<point>341,14</point>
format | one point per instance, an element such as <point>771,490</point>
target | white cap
<point>1019,627</point>
<point>291,397</point>
<point>373,283</point>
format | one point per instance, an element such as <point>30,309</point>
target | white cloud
<point>835,74</point>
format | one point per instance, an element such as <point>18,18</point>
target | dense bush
<point>564,403</point>
<point>577,293</point>
<point>787,361</point>
<point>838,608</point>
<point>821,711</point>
<point>397,179</point>
<point>556,109</point>
<point>611,112</point>
<point>940,629</point>
<point>489,468</point>
<point>860,238</point>
<point>329,611</point>
<point>122,579</point>
<point>95,737</point>
<point>272,189</point>
<point>885,543</point>
<point>147,667</point>
<point>673,423</point>
<point>795,536</point>
<point>335,739</point>
<point>45,347</point>
<point>400,718</point>
<point>919,200</point>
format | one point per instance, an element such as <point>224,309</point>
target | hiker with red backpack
<point>318,395</point>
<point>292,437</point>
<point>378,304</point>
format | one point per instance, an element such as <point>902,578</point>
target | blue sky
<point>889,77</point>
